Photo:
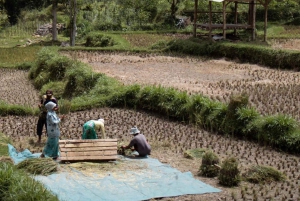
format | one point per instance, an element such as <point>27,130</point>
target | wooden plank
<point>96,144</point>
<point>94,140</point>
<point>87,158</point>
<point>88,150</point>
<point>92,153</point>
<point>79,149</point>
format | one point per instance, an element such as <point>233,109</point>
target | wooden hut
<point>225,26</point>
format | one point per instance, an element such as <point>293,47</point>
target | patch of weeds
<point>194,153</point>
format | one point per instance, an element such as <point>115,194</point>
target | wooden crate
<point>88,150</point>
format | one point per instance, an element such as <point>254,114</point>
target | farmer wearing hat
<point>91,127</point>
<point>139,143</point>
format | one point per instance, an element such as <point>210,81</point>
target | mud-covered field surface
<point>270,91</point>
<point>215,78</point>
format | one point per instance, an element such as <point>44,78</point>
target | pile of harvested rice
<point>39,166</point>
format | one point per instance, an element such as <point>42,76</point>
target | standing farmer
<point>42,117</point>
<point>51,148</point>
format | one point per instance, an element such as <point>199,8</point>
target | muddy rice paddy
<point>270,91</point>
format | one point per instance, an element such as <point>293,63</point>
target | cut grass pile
<point>39,166</point>
<point>263,174</point>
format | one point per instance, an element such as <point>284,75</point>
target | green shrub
<point>295,21</point>
<point>229,173</point>
<point>107,26</point>
<point>188,47</point>
<point>209,166</point>
<point>99,40</point>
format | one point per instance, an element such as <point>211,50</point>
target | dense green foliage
<point>99,40</point>
<point>15,185</point>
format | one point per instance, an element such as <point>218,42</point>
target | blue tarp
<point>152,181</point>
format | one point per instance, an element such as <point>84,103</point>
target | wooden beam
<point>93,153</point>
<point>63,149</point>
<point>88,158</point>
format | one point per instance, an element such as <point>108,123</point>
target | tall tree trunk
<point>54,20</point>
<point>73,15</point>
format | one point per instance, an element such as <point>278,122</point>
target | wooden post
<point>195,18</point>
<point>253,25</point>
<point>235,15</point>
<point>210,19</point>
<point>224,20</point>
<point>266,22</point>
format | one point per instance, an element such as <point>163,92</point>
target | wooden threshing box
<point>88,150</point>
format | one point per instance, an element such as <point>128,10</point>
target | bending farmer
<point>139,143</point>
<point>91,127</point>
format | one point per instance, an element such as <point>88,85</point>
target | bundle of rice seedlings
<point>229,173</point>
<point>263,174</point>
<point>210,165</point>
<point>39,166</point>
<point>124,152</point>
